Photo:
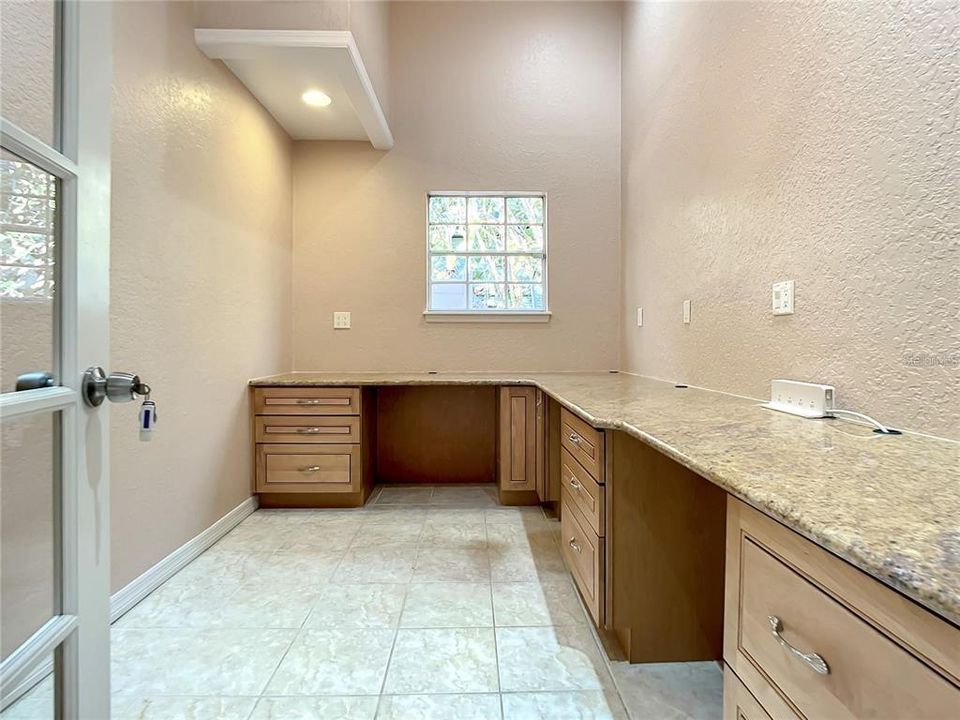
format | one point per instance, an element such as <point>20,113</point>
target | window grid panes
<point>487,253</point>
<point>28,209</point>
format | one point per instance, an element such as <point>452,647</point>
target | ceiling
<point>278,66</point>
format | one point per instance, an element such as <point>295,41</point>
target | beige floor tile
<point>379,514</point>
<point>477,706</point>
<point>389,534</point>
<point>531,604</point>
<point>576,705</point>
<point>316,708</point>
<point>365,605</point>
<point>525,564</point>
<point>36,704</point>
<point>465,497</point>
<point>334,661</point>
<point>176,605</point>
<point>452,564</point>
<point>180,708</point>
<point>447,605</point>
<point>674,691</point>
<point>550,658</point>
<point>440,515</point>
<point>195,662</point>
<point>218,568</point>
<point>376,565</point>
<point>320,537</point>
<point>253,536</point>
<point>463,536</point>
<point>303,568</point>
<point>260,605</point>
<point>514,516</point>
<point>403,495</point>
<point>461,660</point>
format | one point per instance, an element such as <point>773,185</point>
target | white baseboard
<point>128,596</point>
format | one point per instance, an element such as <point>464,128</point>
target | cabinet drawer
<point>307,401</point>
<point>866,674</point>
<point>585,443</point>
<point>289,468</point>
<point>578,488</point>
<point>316,429</point>
<point>738,703</point>
<point>583,553</point>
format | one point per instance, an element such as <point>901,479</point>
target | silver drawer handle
<point>311,402</point>
<point>310,468</point>
<point>575,485</point>
<point>816,662</point>
<point>309,431</point>
<point>575,545</point>
<point>574,438</point>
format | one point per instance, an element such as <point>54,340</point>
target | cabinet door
<point>518,438</point>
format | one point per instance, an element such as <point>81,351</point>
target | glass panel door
<point>54,319</point>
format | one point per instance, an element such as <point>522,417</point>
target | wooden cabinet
<point>313,445</point>
<point>583,552</point>
<point>739,704</point>
<point>517,466</point>
<point>811,636</point>
<point>583,509</point>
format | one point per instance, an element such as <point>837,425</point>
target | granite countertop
<point>889,505</point>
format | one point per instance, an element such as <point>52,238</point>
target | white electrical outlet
<point>639,317</point>
<point>783,297</point>
<point>809,400</point>
<point>686,312</point>
<point>341,321</point>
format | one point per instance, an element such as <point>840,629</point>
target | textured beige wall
<point>484,96</point>
<point>809,141</point>
<point>273,14</point>
<point>200,296</point>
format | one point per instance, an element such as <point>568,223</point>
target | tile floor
<point>427,603</point>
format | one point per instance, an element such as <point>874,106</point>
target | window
<point>28,207</point>
<point>486,253</point>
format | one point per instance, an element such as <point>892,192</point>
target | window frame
<point>467,315</point>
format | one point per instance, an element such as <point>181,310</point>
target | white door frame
<point>82,630</point>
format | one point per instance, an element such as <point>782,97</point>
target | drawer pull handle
<point>575,545</point>
<point>311,402</point>
<point>574,438</point>
<point>309,430</point>
<point>575,485</point>
<point>816,662</point>
<point>310,469</point>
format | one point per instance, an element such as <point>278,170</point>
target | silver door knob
<point>116,387</point>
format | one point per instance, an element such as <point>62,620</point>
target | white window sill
<point>433,316</point>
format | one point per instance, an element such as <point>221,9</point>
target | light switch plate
<point>341,321</point>
<point>783,297</point>
<point>639,317</point>
<point>686,312</point>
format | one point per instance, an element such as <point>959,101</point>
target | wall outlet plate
<point>639,317</point>
<point>686,312</point>
<point>341,321</point>
<point>809,400</point>
<point>783,297</point>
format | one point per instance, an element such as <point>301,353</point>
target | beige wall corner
<point>200,296</point>
<point>808,141</point>
<point>483,96</point>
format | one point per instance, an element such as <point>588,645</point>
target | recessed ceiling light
<point>315,98</point>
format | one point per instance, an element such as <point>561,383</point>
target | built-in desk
<point>692,520</point>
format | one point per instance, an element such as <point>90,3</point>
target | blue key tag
<point>148,419</point>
